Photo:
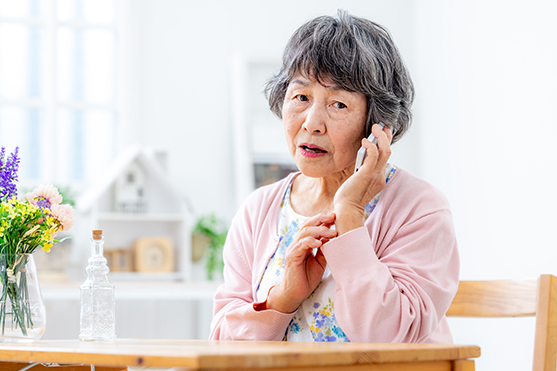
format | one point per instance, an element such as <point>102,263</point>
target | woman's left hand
<point>359,189</point>
<point>303,270</point>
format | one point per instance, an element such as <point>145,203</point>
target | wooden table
<point>241,355</point>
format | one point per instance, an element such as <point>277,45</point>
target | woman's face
<point>324,125</point>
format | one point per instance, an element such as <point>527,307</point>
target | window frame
<point>50,104</point>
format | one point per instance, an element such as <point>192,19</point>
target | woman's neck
<point>312,196</point>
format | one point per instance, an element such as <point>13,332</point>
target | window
<point>58,86</point>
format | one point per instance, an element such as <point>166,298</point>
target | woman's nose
<point>315,120</point>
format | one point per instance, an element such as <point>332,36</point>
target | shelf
<point>144,277</point>
<point>130,217</point>
<point>139,290</point>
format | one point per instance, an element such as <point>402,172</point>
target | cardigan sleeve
<point>234,316</point>
<point>395,279</point>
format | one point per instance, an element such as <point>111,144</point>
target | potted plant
<point>208,239</point>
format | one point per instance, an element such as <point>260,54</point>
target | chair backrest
<point>511,298</point>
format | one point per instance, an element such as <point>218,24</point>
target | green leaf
<point>216,231</point>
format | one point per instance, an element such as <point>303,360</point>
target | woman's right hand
<point>302,270</point>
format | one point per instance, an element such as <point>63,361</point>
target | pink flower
<point>44,196</point>
<point>64,214</point>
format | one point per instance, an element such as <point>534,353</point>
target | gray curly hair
<point>357,55</point>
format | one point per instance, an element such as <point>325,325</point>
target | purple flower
<point>8,174</point>
<point>43,203</point>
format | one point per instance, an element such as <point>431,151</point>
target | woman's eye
<point>340,105</point>
<point>302,98</point>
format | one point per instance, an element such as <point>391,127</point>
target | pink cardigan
<point>394,278</point>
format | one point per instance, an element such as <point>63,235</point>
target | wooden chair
<point>509,298</point>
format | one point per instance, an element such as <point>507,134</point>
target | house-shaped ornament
<point>139,212</point>
<point>129,190</point>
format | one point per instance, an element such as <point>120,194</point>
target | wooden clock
<point>153,254</point>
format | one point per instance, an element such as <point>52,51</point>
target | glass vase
<point>22,310</point>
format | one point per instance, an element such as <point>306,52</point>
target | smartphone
<point>362,151</point>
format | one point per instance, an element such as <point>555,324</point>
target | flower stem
<point>18,295</point>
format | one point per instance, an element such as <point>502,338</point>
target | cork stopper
<point>97,234</point>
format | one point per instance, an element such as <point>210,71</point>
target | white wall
<point>485,76</point>
<point>181,52</point>
<point>486,73</point>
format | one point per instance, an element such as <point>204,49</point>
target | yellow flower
<point>28,225</point>
<point>47,246</point>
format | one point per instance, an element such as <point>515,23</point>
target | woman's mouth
<point>310,150</point>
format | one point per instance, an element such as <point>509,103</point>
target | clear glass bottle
<point>97,318</point>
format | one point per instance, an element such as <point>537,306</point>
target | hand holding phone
<point>362,151</point>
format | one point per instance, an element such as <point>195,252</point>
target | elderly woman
<point>330,254</point>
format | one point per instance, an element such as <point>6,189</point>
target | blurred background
<point>158,104</point>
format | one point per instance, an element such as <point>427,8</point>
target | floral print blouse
<point>315,319</point>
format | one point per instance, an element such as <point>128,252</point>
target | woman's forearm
<point>236,319</point>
